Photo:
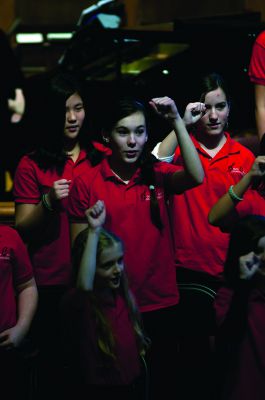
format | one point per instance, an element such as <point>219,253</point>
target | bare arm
<point>193,173</point>
<point>27,304</point>
<point>17,106</point>
<point>192,114</point>
<point>260,109</point>
<point>225,205</point>
<point>96,217</point>
<point>31,218</point>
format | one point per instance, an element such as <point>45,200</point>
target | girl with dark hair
<point>134,187</point>
<point>42,183</point>
<point>199,259</point>
<point>102,328</point>
<point>240,314</point>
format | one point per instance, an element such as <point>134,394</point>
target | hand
<point>17,106</point>
<point>258,167</point>
<point>165,107</point>
<point>11,338</point>
<point>96,215</point>
<point>193,112</point>
<point>248,265</point>
<point>59,190</point>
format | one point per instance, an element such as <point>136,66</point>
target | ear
<point>146,138</point>
<point>105,139</point>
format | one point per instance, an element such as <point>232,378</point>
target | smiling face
<point>215,118</point>
<point>128,137</point>
<point>74,116</point>
<point>110,267</point>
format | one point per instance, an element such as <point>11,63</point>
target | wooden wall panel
<point>7,14</point>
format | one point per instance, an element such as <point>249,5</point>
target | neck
<point>72,150</point>
<point>211,142</point>
<point>123,170</point>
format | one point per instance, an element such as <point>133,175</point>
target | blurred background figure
<point>12,109</point>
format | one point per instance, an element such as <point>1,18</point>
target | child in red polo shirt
<point>200,248</point>
<point>135,189</point>
<point>102,329</point>
<point>18,303</point>
<point>42,182</point>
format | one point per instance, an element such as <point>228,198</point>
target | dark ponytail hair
<point>122,108</point>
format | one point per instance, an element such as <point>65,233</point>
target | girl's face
<point>110,268</point>
<point>255,259</point>
<point>128,138</point>
<point>74,116</point>
<point>214,121</point>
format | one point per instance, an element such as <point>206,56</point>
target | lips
<point>116,280</point>
<point>131,154</point>
<point>72,128</point>
<point>214,126</point>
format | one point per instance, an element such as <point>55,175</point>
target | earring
<point>106,140</point>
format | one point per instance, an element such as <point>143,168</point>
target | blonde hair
<point>105,337</point>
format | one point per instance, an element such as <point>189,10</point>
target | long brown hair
<point>105,337</point>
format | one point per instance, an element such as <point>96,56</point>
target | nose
<point>117,268</point>
<point>131,140</point>
<point>213,114</point>
<point>71,117</point>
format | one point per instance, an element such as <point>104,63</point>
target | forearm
<point>191,160</point>
<point>260,109</point>
<point>168,146</point>
<point>27,305</point>
<point>87,269</point>
<point>31,219</point>
<point>260,121</point>
<point>225,206</point>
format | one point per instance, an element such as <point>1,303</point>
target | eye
<point>79,108</point>
<point>120,260</point>
<point>106,266</point>
<point>140,131</point>
<point>221,106</point>
<point>121,131</point>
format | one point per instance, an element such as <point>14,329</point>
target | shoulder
<point>88,176</point>
<point>27,162</point>
<point>10,236</point>
<point>260,40</point>
<point>236,145</point>
<point>162,167</point>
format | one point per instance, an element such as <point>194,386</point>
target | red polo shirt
<point>256,69</point>
<point>200,246</point>
<point>148,252</point>
<point>50,252</point>
<point>80,330</point>
<point>15,269</point>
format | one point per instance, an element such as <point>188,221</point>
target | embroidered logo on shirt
<point>6,253</point>
<point>147,197</point>
<point>236,170</point>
